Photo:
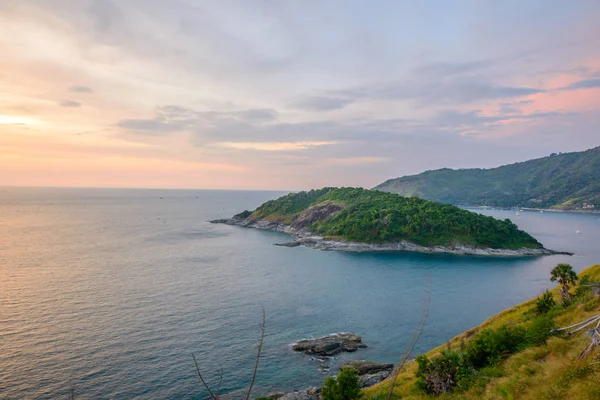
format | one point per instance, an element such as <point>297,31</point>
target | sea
<point>107,293</point>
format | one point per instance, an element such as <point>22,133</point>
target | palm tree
<point>566,277</point>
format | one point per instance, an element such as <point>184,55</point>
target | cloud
<point>272,146</point>
<point>254,115</point>
<point>81,89</point>
<point>172,118</point>
<point>104,13</point>
<point>151,126</point>
<point>583,84</point>
<point>69,103</point>
<point>453,90</point>
<point>443,69</point>
<point>187,115</point>
<point>321,103</point>
<point>508,108</point>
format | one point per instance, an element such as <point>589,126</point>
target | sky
<point>292,94</point>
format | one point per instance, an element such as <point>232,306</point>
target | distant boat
<point>542,211</point>
<point>518,214</point>
<point>578,231</point>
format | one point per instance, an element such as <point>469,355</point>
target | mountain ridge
<point>567,181</point>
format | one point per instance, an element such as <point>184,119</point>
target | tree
<point>566,277</point>
<point>345,387</point>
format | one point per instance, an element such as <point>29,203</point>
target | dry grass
<point>552,371</point>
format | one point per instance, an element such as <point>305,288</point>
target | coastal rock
<point>288,244</point>
<point>330,345</point>
<point>369,372</point>
<point>275,395</point>
<point>309,239</point>
<point>312,393</point>
<point>373,379</point>
<point>368,367</point>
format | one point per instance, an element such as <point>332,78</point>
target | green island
<point>566,181</point>
<point>517,354</point>
<point>358,219</point>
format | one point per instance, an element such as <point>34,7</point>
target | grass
<point>550,371</point>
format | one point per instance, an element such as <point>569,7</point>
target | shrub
<point>582,290</point>
<point>545,303</point>
<point>345,387</point>
<point>490,346</point>
<point>244,214</point>
<point>444,373</point>
<point>540,330</point>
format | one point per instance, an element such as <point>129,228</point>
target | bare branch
<point>260,344</point>
<point>414,342</point>
<point>202,379</point>
<point>220,373</point>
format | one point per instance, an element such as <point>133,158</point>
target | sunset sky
<point>289,94</point>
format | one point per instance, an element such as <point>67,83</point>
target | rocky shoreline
<point>303,237</point>
<point>369,373</point>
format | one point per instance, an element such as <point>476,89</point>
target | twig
<point>414,342</point>
<point>220,373</point>
<point>202,379</point>
<point>262,338</point>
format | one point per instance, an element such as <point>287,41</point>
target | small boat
<point>518,214</point>
<point>577,231</point>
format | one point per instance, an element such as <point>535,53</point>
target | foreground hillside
<point>350,215</point>
<point>564,181</point>
<point>539,368</point>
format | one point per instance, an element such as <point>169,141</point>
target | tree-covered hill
<point>562,181</point>
<point>369,216</point>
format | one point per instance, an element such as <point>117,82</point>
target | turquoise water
<point>110,290</point>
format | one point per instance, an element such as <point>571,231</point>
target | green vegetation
<point>566,277</point>
<point>346,386</point>
<point>545,303</point>
<point>564,181</point>
<point>516,354</point>
<point>370,216</point>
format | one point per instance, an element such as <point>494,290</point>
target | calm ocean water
<point>110,290</point>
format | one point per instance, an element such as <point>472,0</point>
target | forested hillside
<point>370,216</point>
<point>562,181</point>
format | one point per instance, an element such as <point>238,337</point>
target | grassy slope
<point>378,217</point>
<point>552,371</point>
<point>561,181</point>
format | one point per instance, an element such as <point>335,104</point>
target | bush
<point>444,373</point>
<point>345,387</point>
<point>583,290</point>
<point>545,303</point>
<point>540,330</point>
<point>490,346</point>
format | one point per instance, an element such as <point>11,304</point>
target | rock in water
<point>330,345</point>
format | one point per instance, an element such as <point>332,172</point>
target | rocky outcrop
<point>312,393</point>
<point>315,214</point>
<point>330,345</point>
<point>368,367</point>
<point>302,236</point>
<point>369,372</point>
